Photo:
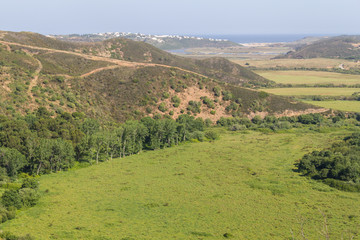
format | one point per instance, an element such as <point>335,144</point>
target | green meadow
<point>310,77</point>
<point>312,91</point>
<point>352,106</point>
<point>243,186</point>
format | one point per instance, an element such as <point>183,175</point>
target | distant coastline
<point>262,38</point>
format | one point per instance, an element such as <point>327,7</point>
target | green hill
<point>121,79</point>
<point>129,50</point>
<point>344,47</point>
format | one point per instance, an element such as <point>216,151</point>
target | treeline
<point>353,71</point>
<point>338,166</point>
<point>316,121</point>
<point>38,143</point>
<point>318,85</point>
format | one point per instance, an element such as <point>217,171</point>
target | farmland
<point>326,63</point>
<point>313,91</point>
<point>243,185</point>
<point>352,106</point>
<point>310,77</point>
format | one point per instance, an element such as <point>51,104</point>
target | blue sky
<point>182,16</point>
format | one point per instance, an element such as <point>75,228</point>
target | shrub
<point>30,183</point>
<point>162,107</point>
<point>211,135</point>
<point>29,197</point>
<point>11,198</point>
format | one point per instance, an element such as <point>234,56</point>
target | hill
<point>343,47</point>
<point>121,79</point>
<point>164,42</point>
<point>128,50</point>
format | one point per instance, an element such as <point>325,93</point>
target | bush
<point>29,197</point>
<point>237,127</point>
<point>162,107</point>
<point>30,183</point>
<point>211,135</point>
<point>11,198</point>
<point>198,135</point>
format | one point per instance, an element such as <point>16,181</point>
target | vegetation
<point>313,91</point>
<point>310,78</point>
<point>351,106</point>
<point>129,50</point>
<point>335,47</point>
<point>242,185</point>
<point>340,162</point>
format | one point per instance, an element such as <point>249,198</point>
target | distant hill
<point>343,47</point>
<point>128,50</point>
<point>164,42</point>
<point>120,79</point>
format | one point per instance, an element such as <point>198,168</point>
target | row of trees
<point>274,123</point>
<point>38,143</point>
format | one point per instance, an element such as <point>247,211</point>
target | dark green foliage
<point>208,102</point>
<point>162,107</point>
<point>310,118</point>
<point>30,183</point>
<point>217,91</point>
<point>340,162</point>
<point>227,95</point>
<point>212,135</point>
<point>194,107</point>
<point>11,198</point>
<point>12,160</point>
<point>176,101</point>
<point>29,197</point>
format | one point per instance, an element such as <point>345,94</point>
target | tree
<point>12,160</point>
<point>98,140</point>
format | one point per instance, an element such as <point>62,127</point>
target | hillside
<point>164,42</point>
<point>343,47</point>
<point>128,50</point>
<point>115,80</point>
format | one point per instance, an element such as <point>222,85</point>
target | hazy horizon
<point>186,17</point>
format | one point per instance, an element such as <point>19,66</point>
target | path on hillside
<point>122,63</point>
<point>34,80</point>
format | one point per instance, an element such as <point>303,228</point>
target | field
<point>310,77</point>
<point>243,185</point>
<point>312,91</point>
<point>299,63</point>
<point>352,106</point>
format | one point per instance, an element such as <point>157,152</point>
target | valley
<point>243,185</point>
<point>117,139</point>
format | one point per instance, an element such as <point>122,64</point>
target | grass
<point>310,77</point>
<point>299,63</point>
<point>242,186</point>
<point>352,106</point>
<point>312,91</point>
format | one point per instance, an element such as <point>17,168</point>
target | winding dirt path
<point>34,81</point>
<point>118,62</point>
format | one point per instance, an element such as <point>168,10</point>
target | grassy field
<point>243,185</point>
<point>310,77</point>
<point>353,106</point>
<point>299,63</point>
<point>312,91</point>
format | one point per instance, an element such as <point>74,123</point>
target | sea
<point>260,38</point>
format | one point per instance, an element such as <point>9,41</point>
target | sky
<point>181,16</point>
